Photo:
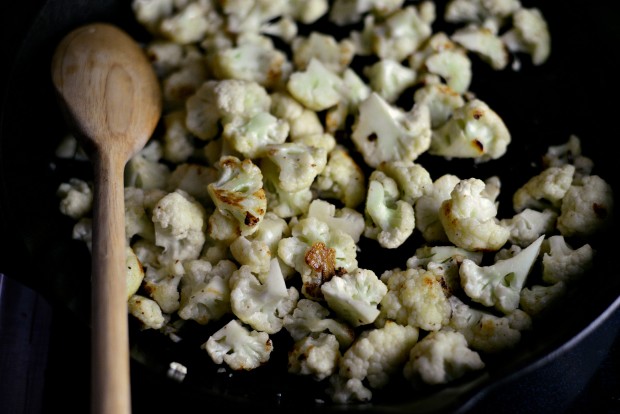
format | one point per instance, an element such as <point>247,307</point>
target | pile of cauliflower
<point>278,152</point>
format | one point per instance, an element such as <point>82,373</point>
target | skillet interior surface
<point>573,93</point>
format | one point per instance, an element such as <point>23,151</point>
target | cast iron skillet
<point>541,106</point>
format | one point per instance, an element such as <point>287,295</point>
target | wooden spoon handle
<point>110,381</point>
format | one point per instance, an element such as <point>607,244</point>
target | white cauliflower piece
<point>239,193</point>
<point>441,357</point>
<point>441,101</point>
<point>255,59</point>
<point>262,302</point>
<point>379,353</point>
<point>317,252</point>
<point>316,87</point>
<point>341,179</point>
<point>500,284</point>
<point>308,11</point>
<point>314,356</point>
<point>180,223</point>
<point>383,132</point>
<point>427,208</point>
<point>545,190</point>
<point>193,178</point>
<point>343,390</point>
<point>563,263</point>
<point>285,204</point>
<point>83,231</point>
<point>536,299</point>
<point>474,131</point>
<point>310,318</point>
<point>355,296</point>
<point>389,220</point>
<point>486,332</point>
<point>161,282</point>
<point>135,271</point>
<point>569,153</point>
<point>390,78</point>
<point>346,219</point>
<point>344,12</point>
<point>255,254</point>
<point>413,179</point>
<point>415,297</point>
<point>147,311</point>
<point>238,347</point>
<point>177,140</point>
<point>205,292</point>
<point>149,13</point>
<point>144,169</point>
<point>468,218</point>
<point>478,11</point>
<point>485,43</point>
<point>185,79</point>
<point>529,34</point>
<point>439,254</point>
<point>354,91</point>
<point>528,225</point>
<point>587,207</point>
<point>334,55</point>
<point>400,34</point>
<point>299,164</point>
<point>191,23</point>
<point>76,198</point>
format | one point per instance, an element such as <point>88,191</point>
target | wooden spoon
<point>112,100</point>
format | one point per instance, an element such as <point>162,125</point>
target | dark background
<point>44,349</point>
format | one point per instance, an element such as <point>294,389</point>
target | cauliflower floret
<point>144,169</point>
<point>341,179</point>
<point>427,208</point>
<point>205,294</point>
<point>378,353</point>
<point>310,317</point>
<point>439,254</point>
<point>147,311</point>
<point>135,271</point>
<point>335,56</point>
<point>238,347</point>
<point>354,91</point>
<point>149,13</point>
<point>83,231</point>
<point>254,59</point>
<point>177,140</point>
<point>315,356</point>
<point>478,11</point>
<point>415,297</point>
<point>474,131</point>
<point>161,282</point>
<point>400,34</point>
<point>441,357</point>
<point>383,132</point>
<point>298,164</point>
<point>529,34</point>
<point>569,153</point>
<point>76,198</point>
<point>562,263</point>
<point>191,23</point>
<point>587,207</point>
<point>545,190</point>
<point>389,220</point>
<point>255,254</point>
<point>528,225</point>
<point>317,87</point>
<point>317,252</point>
<point>180,223</point>
<point>193,178</point>
<point>441,101</point>
<point>239,193</point>
<point>485,43</point>
<point>355,296</point>
<point>184,80</point>
<point>343,390</point>
<point>536,299</point>
<point>390,78</point>
<point>346,219</point>
<point>262,302</point>
<point>468,218</point>
<point>486,332</point>
<point>285,204</point>
<point>344,12</point>
<point>413,180</point>
<point>500,284</point>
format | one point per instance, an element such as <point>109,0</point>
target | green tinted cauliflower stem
<point>500,284</point>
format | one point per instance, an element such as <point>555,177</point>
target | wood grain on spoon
<point>112,99</point>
